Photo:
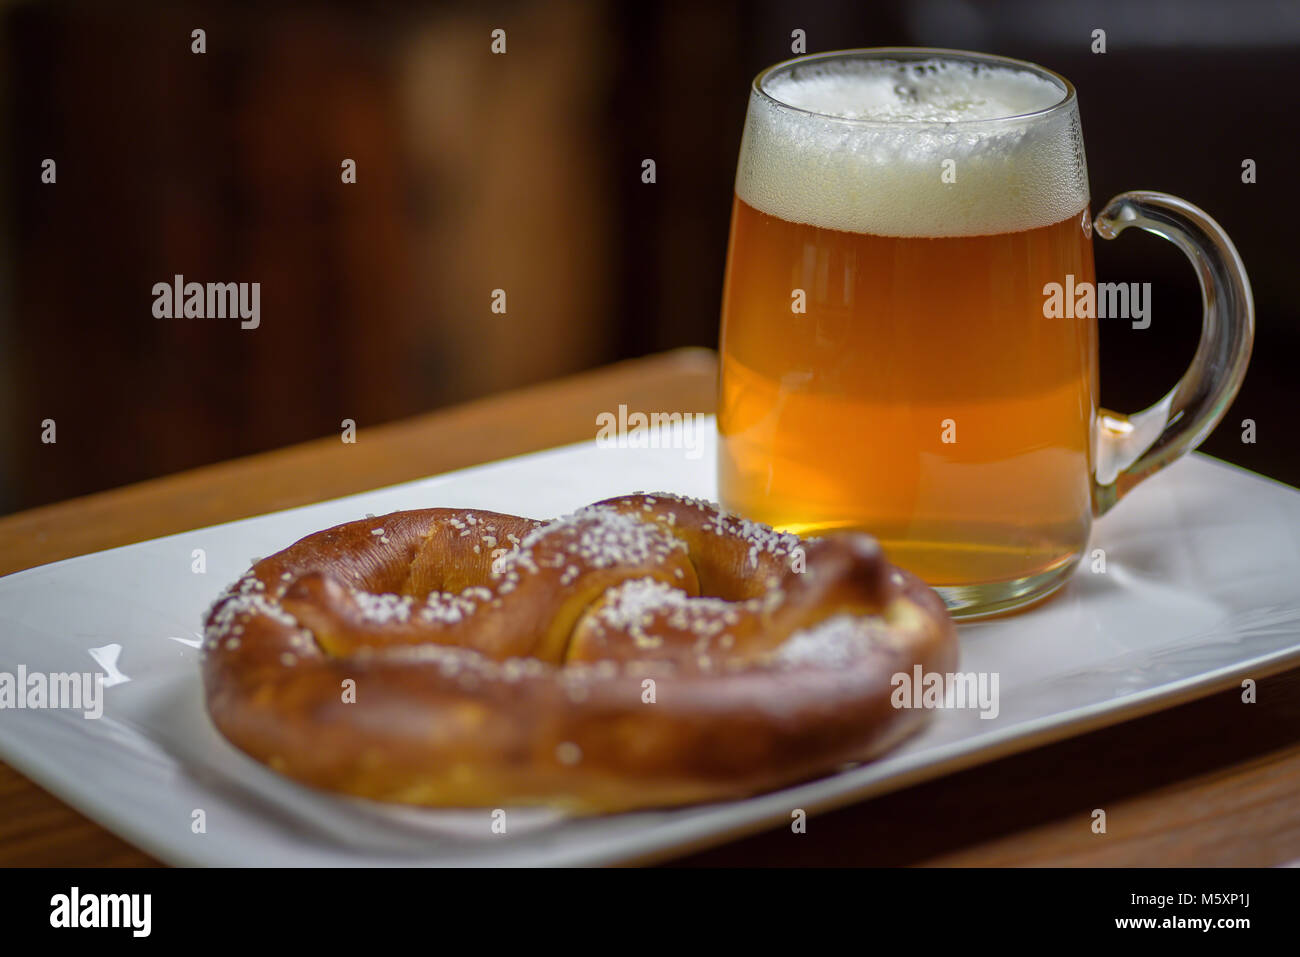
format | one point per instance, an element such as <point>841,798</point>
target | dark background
<point>521,172</point>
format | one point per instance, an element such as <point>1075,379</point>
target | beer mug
<point>909,320</point>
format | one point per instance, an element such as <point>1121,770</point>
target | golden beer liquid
<point>837,417</point>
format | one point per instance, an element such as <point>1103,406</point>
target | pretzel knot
<point>647,650</point>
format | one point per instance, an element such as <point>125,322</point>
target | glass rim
<point>1067,101</point>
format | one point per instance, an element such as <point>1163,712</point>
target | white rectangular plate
<point>1200,589</point>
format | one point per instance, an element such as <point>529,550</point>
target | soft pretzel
<point>647,650</point>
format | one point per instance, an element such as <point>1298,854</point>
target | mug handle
<point>1128,449</point>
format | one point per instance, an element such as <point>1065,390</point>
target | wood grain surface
<point>1212,783</point>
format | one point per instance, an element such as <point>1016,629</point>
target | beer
<point>886,364</point>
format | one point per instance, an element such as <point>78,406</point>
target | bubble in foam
<point>819,163</point>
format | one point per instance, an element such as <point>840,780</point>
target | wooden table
<point>1214,782</point>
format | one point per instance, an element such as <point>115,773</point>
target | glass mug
<point>894,355</point>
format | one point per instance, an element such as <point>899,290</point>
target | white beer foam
<point>881,172</point>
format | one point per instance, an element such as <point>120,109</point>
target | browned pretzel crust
<point>453,657</point>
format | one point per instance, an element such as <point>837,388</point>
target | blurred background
<point>521,172</point>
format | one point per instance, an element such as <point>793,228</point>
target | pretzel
<point>645,651</point>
